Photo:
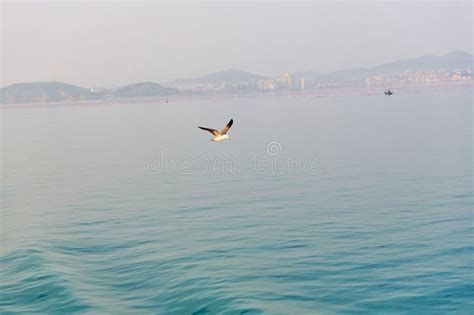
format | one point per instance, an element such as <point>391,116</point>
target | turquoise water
<point>318,205</point>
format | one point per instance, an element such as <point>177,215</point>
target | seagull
<point>219,135</point>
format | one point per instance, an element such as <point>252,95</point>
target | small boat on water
<point>388,92</point>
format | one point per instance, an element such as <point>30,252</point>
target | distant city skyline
<point>110,44</point>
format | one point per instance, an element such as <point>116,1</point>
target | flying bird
<point>219,135</point>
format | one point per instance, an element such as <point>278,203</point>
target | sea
<point>319,204</point>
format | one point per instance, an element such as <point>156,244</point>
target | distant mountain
<point>227,76</point>
<point>39,92</point>
<point>143,89</point>
<point>456,60</point>
<point>452,61</point>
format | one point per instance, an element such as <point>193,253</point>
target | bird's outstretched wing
<point>213,131</point>
<point>229,124</point>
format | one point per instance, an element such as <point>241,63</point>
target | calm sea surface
<point>318,205</point>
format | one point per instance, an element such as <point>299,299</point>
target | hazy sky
<point>107,43</point>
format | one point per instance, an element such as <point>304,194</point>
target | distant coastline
<point>453,68</point>
<point>322,93</point>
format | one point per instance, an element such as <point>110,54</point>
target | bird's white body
<point>220,138</point>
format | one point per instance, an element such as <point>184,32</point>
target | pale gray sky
<point>106,43</point>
